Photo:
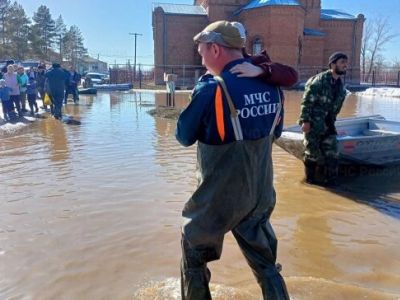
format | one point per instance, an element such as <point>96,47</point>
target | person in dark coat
<point>4,69</point>
<point>72,88</point>
<point>40,82</point>
<point>31,92</point>
<point>56,79</point>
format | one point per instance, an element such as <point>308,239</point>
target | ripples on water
<point>93,212</point>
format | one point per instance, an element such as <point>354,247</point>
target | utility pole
<point>60,48</point>
<point>134,60</point>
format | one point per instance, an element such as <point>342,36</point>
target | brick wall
<point>173,41</point>
<point>312,51</point>
<point>312,10</point>
<point>221,9</point>
<point>279,29</point>
<point>344,36</point>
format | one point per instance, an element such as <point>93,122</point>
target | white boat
<point>113,87</point>
<point>369,140</point>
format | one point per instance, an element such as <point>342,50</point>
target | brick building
<point>295,32</point>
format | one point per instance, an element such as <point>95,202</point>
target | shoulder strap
<point>228,96</point>
<point>237,128</point>
<point>278,113</point>
<point>219,113</point>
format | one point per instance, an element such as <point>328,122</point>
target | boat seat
<point>372,132</point>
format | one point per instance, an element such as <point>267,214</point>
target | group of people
<point>235,114</point>
<point>17,87</point>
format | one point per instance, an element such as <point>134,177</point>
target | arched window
<point>257,46</point>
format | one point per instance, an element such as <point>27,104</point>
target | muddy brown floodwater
<point>93,212</point>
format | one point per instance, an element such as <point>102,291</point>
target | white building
<point>90,64</point>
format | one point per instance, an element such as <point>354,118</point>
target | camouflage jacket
<point>322,100</point>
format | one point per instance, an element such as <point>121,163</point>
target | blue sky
<point>106,25</point>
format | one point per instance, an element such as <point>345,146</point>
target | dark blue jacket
<point>31,88</point>
<point>5,93</point>
<point>56,80</point>
<point>256,102</point>
<point>74,80</point>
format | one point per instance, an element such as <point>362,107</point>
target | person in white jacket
<point>12,82</point>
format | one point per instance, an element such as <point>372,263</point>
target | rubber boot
<point>310,168</point>
<point>194,283</point>
<point>272,284</point>
<point>275,289</point>
<point>31,108</point>
<point>332,171</point>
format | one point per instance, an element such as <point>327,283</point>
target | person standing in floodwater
<point>72,86</point>
<point>233,119</point>
<point>322,101</point>
<point>57,79</point>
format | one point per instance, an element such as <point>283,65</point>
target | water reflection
<point>178,163</point>
<point>315,248</point>
<point>383,188</point>
<point>54,132</point>
<point>385,106</point>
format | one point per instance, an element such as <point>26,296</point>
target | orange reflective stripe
<point>219,113</point>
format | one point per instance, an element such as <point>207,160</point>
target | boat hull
<point>367,140</point>
<point>87,91</point>
<point>113,87</point>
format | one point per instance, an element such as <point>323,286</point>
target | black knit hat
<point>335,57</point>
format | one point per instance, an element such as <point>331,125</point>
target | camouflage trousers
<point>320,147</point>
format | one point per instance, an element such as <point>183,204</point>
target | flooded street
<point>93,212</point>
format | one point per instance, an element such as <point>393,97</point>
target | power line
<point>119,55</point>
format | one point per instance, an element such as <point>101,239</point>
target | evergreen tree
<point>4,11</point>
<point>45,27</point>
<point>60,31</point>
<point>73,45</point>
<point>18,31</point>
<point>21,40</point>
<point>35,43</point>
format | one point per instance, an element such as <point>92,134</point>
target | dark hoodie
<point>56,79</point>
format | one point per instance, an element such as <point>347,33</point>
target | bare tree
<point>377,33</point>
<point>396,64</point>
<point>365,45</point>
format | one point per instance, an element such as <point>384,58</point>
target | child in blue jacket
<point>5,100</point>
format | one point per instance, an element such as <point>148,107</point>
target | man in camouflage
<point>322,100</point>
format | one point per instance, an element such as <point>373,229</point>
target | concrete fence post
<point>373,78</point>
<point>140,76</point>
<point>398,78</point>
